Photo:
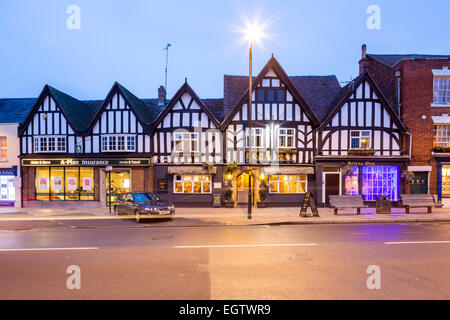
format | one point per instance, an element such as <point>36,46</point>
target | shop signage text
<point>361,163</point>
<point>84,162</point>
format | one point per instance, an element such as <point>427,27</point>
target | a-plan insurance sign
<point>85,162</point>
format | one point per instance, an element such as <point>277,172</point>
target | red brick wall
<point>416,97</point>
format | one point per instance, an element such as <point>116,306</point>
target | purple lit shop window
<point>379,181</point>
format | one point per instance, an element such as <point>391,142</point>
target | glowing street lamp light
<point>253,33</point>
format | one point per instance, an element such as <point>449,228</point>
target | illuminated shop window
<point>351,182</point>
<point>379,181</point>
<point>446,180</point>
<point>288,183</point>
<point>7,190</point>
<point>64,183</point>
<point>192,184</point>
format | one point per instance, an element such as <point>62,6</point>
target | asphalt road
<point>223,262</point>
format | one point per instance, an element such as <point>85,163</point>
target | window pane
<point>197,187</point>
<point>178,187</point>
<point>280,95</point>
<point>57,183</point>
<point>72,184</point>
<point>206,187</point>
<point>260,95</point>
<point>42,183</point>
<point>87,183</point>
<point>188,187</point>
<point>270,95</point>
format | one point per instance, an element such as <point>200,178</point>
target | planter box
<point>261,204</point>
<point>368,152</point>
<point>228,204</point>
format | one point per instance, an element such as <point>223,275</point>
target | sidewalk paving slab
<point>237,216</point>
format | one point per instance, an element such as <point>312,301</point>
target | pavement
<point>235,216</point>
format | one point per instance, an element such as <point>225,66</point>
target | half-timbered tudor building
<point>187,147</point>
<point>360,144</point>
<point>283,123</point>
<point>67,147</point>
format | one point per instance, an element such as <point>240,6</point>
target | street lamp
<point>253,34</point>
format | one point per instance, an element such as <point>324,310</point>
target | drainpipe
<point>410,144</point>
<point>398,74</point>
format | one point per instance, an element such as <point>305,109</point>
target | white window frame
<point>49,140</point>
<point>192,181</point>
<point>297,181</point>
<point>256,132</point>
<point>186,136</point>
<point>359,139</point>
<point>4,148</point>
<point>109,147</point>
<point>440,140</point>
<point>441,91</point>
<point>286,137</point>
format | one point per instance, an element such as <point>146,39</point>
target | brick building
<point>418,87</point>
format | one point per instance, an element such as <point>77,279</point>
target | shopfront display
<point>120,183</point>
<point>192,184</point>
<point>288,183</point>
<point>63,183</point>
<point>7,190</point>
<point>372,181</point>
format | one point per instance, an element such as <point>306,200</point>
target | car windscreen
<point>140,197</point>
<point>153,197</point>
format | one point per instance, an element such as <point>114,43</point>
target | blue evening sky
<point>123,41</point>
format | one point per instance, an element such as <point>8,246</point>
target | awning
<point>287,170</point>
<point>190,170</point>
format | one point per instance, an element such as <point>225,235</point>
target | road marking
<point>417,242</point>
<point>247,245</point>
<point>49,249</point>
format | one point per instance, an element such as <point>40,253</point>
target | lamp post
<point>249,208</point>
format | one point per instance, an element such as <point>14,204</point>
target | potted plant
<point>347,170</point>
<point>231,167</point>
<point>228,201</point>
<point>262,203</point>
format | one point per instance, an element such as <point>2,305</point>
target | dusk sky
<point>123,41</point>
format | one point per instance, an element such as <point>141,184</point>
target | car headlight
<point>151,209</point>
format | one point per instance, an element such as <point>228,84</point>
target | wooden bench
<point>346,201</point>
<point>418,201</point>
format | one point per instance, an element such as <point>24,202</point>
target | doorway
<point>120,184</point>
<point>242,188</point>
<point>332,185</point>
<point>419,183</point>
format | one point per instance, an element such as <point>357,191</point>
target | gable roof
<point>77,113</point>
<point>392,59</point>
<point>185,88</point>
<point>346,92</point>
<point>271,64</point>
<point>145,110</point>
<point>319,91</point>
<point>15,110</point>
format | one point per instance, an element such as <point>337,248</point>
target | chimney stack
<point>161,96</point>
<point>364,63</point>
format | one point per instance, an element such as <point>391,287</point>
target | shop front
<point>443,181</point>
<point>188,185</point>
<point>274,186</point>
<point>81,182</point>
<point>8,177</point>
<point>369,178</point>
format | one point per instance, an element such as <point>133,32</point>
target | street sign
<point>308,201</point>
<point>108,168</point>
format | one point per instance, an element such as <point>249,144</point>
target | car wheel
<point>116,211</point>
<point>137,216</point>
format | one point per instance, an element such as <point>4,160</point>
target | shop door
<point>419,183</point>
<point>120,184</point>
<point>242,188</point>
<point>331,185</point>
